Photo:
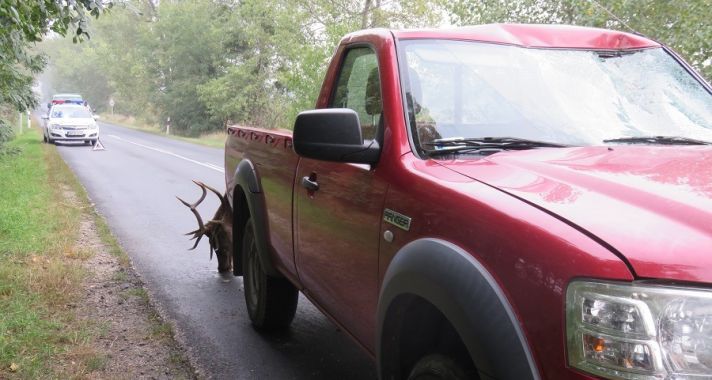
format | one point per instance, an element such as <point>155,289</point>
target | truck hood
<point>652,204</point>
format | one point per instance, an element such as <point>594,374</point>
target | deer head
<point>218,230</point>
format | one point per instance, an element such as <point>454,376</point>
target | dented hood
<point>653,204</point>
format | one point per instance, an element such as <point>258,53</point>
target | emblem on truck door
<point>397,219</point>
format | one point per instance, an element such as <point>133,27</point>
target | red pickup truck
<point>493,202</point>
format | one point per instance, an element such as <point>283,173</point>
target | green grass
<point>24,230</point>
<point>96,362</point>
<point>40,268</point>
<point>159,328</point>
<point>136,292</point>
<point>214,139</point>
<point>120,277</point>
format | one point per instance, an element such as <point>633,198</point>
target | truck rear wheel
<point>271,301</point>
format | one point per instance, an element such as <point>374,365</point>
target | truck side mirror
<point>333,134</point>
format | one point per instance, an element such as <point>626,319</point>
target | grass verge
<point>41,268</point>
<point>214,139</point>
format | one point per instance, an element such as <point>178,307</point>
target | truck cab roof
<point>529,35</point>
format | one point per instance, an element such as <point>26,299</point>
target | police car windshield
<point>70,113</point>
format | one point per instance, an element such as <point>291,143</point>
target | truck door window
<point>359,88</point>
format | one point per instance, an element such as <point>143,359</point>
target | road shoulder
<point>133,341</point>
<point>71,305</point>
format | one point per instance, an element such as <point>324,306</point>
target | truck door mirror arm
<point>333,134</point>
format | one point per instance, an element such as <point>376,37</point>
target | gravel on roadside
<point>132,341</point>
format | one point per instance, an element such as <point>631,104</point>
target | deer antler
<point>223,201</point>
<point>198,234</point>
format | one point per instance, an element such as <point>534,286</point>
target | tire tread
<point>277,300</point>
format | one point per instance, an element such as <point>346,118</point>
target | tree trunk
<point>364,14</point>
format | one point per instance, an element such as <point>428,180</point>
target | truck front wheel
<point>271,301</point>
<point>437,367</point>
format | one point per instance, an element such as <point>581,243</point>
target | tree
<point>278,52</point>
<point>149,59</point>
<point>122,42</point>
<point>75,71</point>
<point>186,45</point>
<point>25,22</point>
<point>257,43</point>
<point>206,63</point>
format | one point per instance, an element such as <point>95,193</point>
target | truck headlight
<point>639,331</point>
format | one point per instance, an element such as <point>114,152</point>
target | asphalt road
<point>133,183</point>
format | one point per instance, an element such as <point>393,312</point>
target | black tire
<point>271,301</point>
<point>437,367</point>
<point>44,138</point>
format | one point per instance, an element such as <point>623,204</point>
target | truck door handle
<point>310,184</point>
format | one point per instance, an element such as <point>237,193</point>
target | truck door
<point>337,227</point>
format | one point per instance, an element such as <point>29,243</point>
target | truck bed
<point>271,151</point>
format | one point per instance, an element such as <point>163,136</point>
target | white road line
<point>216,167</point>
<point>159,150</point>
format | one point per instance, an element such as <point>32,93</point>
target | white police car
<point>70,122</point>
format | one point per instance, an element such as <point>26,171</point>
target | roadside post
<point>111,104</point>
<point>20,119</point>
<point>168,125</point>
<point>29,120</point>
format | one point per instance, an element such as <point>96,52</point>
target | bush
<point>6,134</point>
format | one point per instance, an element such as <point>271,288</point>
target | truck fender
<point>467,295</point>
<point>247,182</point>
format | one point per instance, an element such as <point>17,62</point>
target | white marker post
<point>111,104</point>
<point>168,125</point>
<point>29,120</point>
<point>20,122</point>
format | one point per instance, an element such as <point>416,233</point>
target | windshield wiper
<point>658,140</point>
<point>605,54</point>
<point>485,144</point>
